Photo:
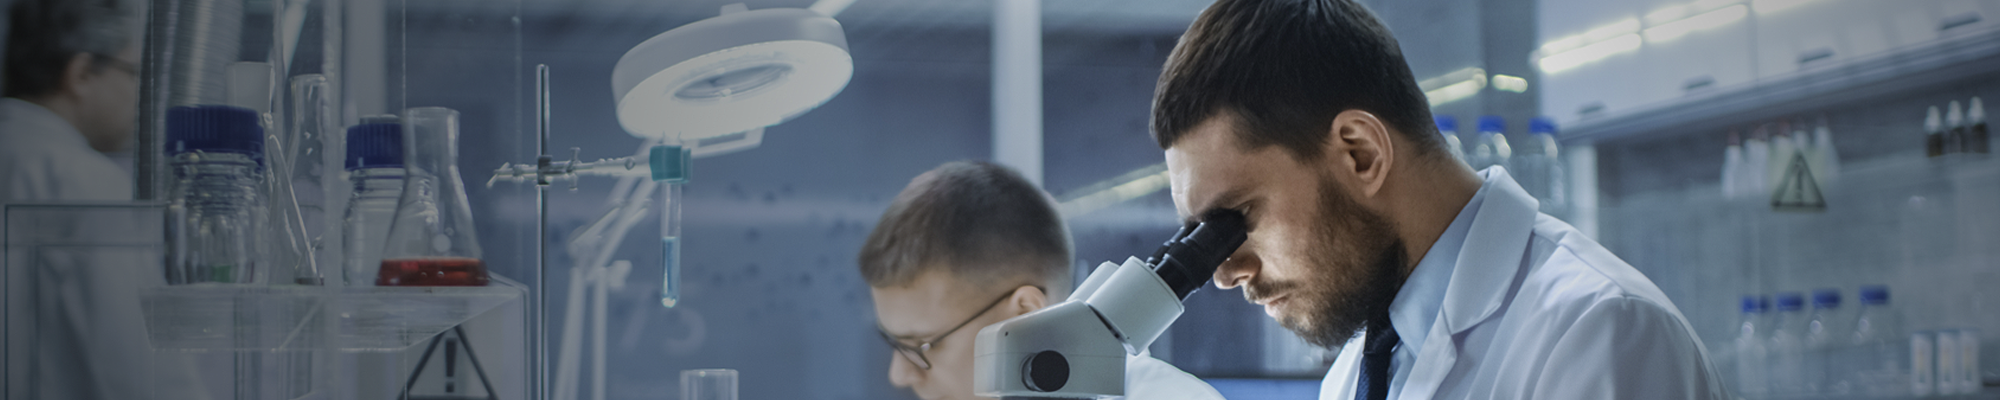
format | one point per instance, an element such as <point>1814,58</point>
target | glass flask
<point>432,241</point>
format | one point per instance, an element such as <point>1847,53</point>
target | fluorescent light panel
<point>1587,54</point>
<point>1510,83</point>
<point>1708,20</point>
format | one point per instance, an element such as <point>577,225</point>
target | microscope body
<point>1077,348</point>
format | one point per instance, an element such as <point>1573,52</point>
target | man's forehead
<point>1197,165</point>
<point>920,305</point>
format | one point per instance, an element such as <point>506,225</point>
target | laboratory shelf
<point>303,318</point>
<point>1955,57</point>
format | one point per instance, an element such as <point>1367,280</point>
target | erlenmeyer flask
<point>432,240</point>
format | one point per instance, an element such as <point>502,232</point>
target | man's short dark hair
<point>980,221</point>
<point>1284,69</point>
<point>43,35</point>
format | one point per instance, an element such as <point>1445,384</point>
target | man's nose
<point>1237,270</point>
<point>902,372</point>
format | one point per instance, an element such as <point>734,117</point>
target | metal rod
<point>541,239</point>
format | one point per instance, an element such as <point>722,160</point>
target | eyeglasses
<point>118,64</point>
<point>916,353</point>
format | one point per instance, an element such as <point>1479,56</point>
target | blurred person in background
<point>1435,281</point>
<point>970,244</point>
<point>71,94</point>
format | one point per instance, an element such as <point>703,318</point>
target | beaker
<point>708,384</point>
<point>431,241</point>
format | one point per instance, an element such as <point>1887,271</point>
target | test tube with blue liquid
<point>670,167</point>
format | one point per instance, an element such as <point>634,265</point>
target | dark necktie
<point>1377,349</point>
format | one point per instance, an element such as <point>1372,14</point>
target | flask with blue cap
<point>374,164</point>
<point>215,201</point>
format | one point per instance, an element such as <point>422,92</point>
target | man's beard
<point>1354,269</point>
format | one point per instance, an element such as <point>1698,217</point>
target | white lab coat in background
<point>1148,378</point>
<point>1532,309</point>
<point>91,337</point>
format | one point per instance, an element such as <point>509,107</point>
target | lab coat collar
<point>1492,254</point>
<point>1487,262</point>
<point>32,123</point>
<point>1421,299</point>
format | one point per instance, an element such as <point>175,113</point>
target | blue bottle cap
<point>1791,301</point>
<point>1447,125</point>
<point>1826,298</point>
<point>1542,126</point>
<point>1753,304</point>
<point>215,128</point>
<point>1492,123</point>
<point>1875,294</point>
<point>375,145</point>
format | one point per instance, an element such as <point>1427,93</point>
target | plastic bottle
<point>1752,358</point>
<point>1787,345</point>
<point>1954,128</point>
<point>1933,133</point>
<point>1539,167</point>
<point>1490,148</point>
<point>1947,371</point>
<point>1756,160</point>
<point>1823,334</point>
<point>1783,148</point>
<point>1976,137</point>
<point>1732,166</point>
<point>1876,361</point>
<point>1448,127</point>
<point>215,203</point>
<point>1826,161</point>
<point>374,164</point>
<point>1923,363</point>
<point>1971,380</point>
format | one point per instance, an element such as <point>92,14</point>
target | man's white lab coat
<point>1532,309</point>
<point>90,334</point>
<point>1148,378</point>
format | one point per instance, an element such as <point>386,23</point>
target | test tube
<point>670,167</point>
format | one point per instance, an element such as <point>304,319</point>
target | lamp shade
<point>732,73</point>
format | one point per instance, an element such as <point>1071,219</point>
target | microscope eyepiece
<point>1187,261</point>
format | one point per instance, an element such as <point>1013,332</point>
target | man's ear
<point>76,73</point>
<point>1027,299</point>
<point>1360,150</point>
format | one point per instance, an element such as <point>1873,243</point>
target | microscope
<point>1076,349</point>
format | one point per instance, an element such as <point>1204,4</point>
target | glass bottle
<point>374,163</point>
<point>1490,147</point>
<point>1448,127</point>
<point>216,203</point>
<point>1787,345</point>
<point>432,241</point>
<point>1752,358</point>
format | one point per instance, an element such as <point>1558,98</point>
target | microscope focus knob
<point>1045,371</point>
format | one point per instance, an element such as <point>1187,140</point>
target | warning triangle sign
<point>449,370</point>
<point>1798,191</point>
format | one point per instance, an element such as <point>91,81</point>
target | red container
<point>433,272</point>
